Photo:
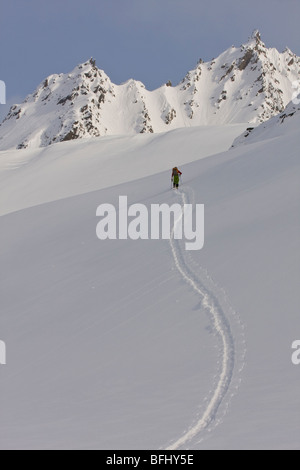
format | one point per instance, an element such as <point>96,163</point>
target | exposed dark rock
<point>67,98</point>
<point>23,145</point>
<point>170,116</point>
<point>246,59</point>
<point>230,69</point>
<point>73,133</point>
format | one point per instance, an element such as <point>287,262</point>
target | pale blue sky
<point>149,40</point>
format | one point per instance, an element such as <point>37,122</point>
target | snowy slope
<point>278,125</point>
<point>71,168</point>
<point>248,84</point>
<point>139,344</point>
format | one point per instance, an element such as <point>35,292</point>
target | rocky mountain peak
<point>249,84</point>
<point>255,38</point>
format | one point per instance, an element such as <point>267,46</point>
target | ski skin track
<point>222,329</point>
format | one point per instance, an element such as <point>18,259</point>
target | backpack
<point>175,172</point>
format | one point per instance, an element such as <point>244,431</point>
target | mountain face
<point>248,84</point>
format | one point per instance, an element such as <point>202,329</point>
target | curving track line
<point>222,329</point>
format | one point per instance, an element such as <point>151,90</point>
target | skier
<point>175,177</point>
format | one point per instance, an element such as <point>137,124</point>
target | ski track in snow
<point>221,327</point>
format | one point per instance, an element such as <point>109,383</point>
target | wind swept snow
<point>71,168</point>
<point>124,344</point>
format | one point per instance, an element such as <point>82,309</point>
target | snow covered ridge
<point>276,126</point>
<point>251,83</point>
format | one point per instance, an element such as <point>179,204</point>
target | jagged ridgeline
<point>248,84</point>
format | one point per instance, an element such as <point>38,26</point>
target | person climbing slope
<point>175,177</point>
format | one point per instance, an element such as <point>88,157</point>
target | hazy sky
<point>149,40</point>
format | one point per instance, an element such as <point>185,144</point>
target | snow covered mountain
<point>247,84</point>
